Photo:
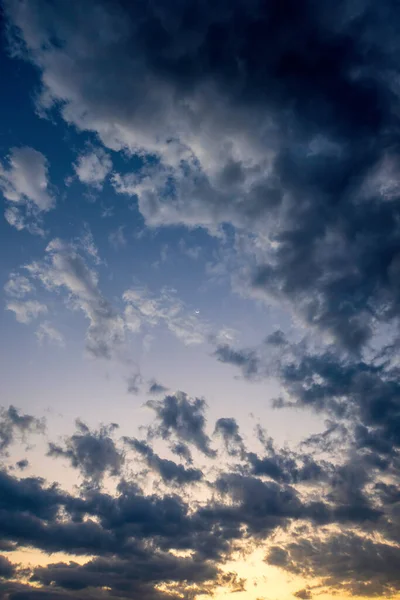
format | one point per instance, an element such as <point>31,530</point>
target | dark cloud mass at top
<point>276,116</point>
<point>273,124</point>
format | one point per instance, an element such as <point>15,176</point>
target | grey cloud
<point>304,594</point>
<point>179,415</point>
<point>245,359</point>
<point>370,568</point>
<point>228,429</point>
<point>183,451</point>
<point>22,464</point>
<point>15,425</point>
<point>134,383</point>
<point>7,569</point>
<point>94,453</point>
<point>156,388</point>
<point>169,471</point>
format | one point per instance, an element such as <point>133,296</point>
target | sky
<point>199,270</point>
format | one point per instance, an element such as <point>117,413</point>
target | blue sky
<point>200,255</point>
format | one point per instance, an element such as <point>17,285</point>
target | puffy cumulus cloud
<point>26,310</point>
<point>92,167</point>
<point>15,426</point>
<point>179,415</point>
<point>94,453</point>
<point>294,140</point>
<point>25,185</point>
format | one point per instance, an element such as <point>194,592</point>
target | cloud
<point>299,148</point>
<point>63,268</point>
<point>26,179</point>
<point>245,359</point>
<point>134,383</point>
<point>93,167</point>
<point>143,308</point>
<point>18,286</point>
<point>132,533</point>
<point>26,310</point>
<point>287,133</point>
<point>156,388</point>
<point>369,568</point>
<point>15,426</point>
<point>94,453</point>
<point>25,185</point>
<point>7,569</point>
<point>46,332</point>
<point>228,429</point>
<point>304,594</point>
<point>183,417</point>
<point>169,471</point>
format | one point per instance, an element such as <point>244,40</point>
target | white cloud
<point>26,178</point>
<point>25,185</point>
<point>93,167</point>
<point>64,269</point>
<point>18,286</point>
<point>15,217</point>
<point>46,332</point>
<point>27,310</point>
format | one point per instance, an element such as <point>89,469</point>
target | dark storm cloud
<point>290,127</point>
<point>94,453</point>
<point>183,417</point>
<point>169,471</point>
<point>14,424</point>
